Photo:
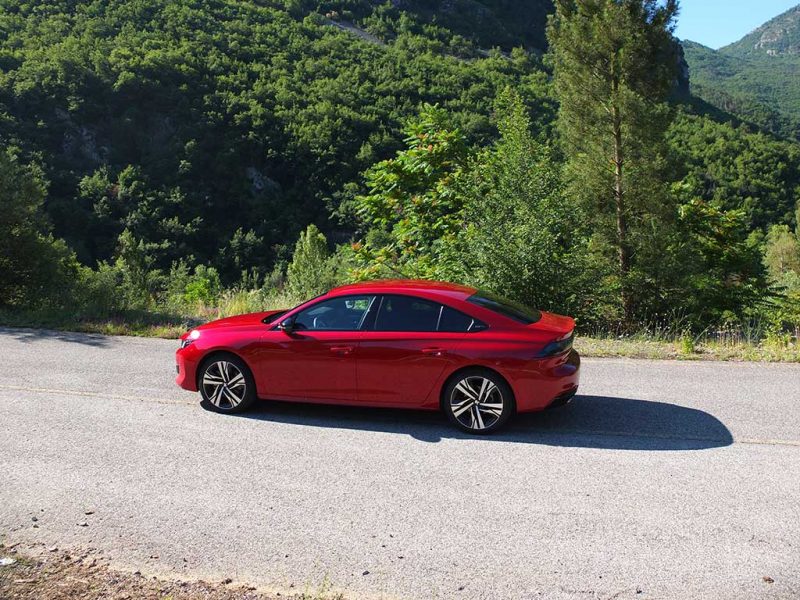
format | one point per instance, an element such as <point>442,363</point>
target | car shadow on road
<point>588,422</point>
<point>38,335</point>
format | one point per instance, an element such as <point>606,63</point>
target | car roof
<point>387,286</point>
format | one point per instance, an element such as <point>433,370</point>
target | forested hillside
<point>181,147</point>
<point>223,127</point>
<point>757,78</point>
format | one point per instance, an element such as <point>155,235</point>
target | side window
<point>456,321</point>
<point>407,313</point>
<point>345,313</point>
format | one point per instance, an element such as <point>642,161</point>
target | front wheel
<point>478,401</point>
<point>226,384</point>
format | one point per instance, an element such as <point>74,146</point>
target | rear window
<point>505,307</point>
<point>456,322</point>
<point>409,313</point>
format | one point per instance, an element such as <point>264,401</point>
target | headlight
<point>193,335</point>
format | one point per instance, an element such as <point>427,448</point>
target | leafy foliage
<point>218,130</point>
<point>35,268</point>
<point>181,148</point>
<point>412,202</point>
<point>614,64</point>
<point>736,168</point>
<point>312,270</point>
<point>520,236</point>
<point>718,265</point>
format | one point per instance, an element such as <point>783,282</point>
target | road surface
<point>662,480</point>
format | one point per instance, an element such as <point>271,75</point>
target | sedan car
<point>402,344</point>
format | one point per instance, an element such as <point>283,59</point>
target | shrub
<point>203,287</point>
<point>36,269</point>
<point>311,272</point>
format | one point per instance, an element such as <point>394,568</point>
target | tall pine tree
<point>615,63</point>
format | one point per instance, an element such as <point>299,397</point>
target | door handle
<point>433,351</point>
<point>342,349</point>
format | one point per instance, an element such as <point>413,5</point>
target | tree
<point>519,236</point>
<point>412,202</point>
<point>310,273</point>
<point>781,252</point>
<point>782,260</point>
<point>615,62</point>
<point>717,271</point>
<point>35,268</point>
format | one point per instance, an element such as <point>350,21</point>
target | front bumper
<point>186,366</point>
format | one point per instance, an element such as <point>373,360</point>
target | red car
<point>400,344</point>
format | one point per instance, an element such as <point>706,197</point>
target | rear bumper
<point>553,382</point>
<point>563,399</point>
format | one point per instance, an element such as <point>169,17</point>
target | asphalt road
<point>662,480</point>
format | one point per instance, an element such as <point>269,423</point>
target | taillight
<point>557,347</point>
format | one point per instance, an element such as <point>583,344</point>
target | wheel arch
<point>474,368</point>
<point>212,354</point>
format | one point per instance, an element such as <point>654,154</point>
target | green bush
<point>99,295</point>
<point>311,272</point>
<point>36,269</point>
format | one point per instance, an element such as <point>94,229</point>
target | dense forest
<point>157,153</point>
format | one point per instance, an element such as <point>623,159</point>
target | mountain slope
<point>213,131</point>
<point>487,23</point>
<point>503,23</point>
<point>756,78</point>
<point>778,37</point>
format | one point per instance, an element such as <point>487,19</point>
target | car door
<point>404,350</point>
<point>314,360</point>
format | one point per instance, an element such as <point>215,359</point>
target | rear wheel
<point>226,384</point>
<point>478,401</point>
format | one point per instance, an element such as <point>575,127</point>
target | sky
<point>717,23</point>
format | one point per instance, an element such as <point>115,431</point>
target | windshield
<point>508,308</point>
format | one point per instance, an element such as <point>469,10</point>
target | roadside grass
<point>164,323</point>
<point>643,348</point>
<point>54,574</point>
<point>132,323</point>
<point>752,342</point>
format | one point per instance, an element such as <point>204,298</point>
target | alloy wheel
<point>224,385</point>
<point>477,403</point>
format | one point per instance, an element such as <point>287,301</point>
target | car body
<point>395,344</point>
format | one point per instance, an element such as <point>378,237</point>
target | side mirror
<point>286,326</point>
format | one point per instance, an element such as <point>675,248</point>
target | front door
<point>315,361</point>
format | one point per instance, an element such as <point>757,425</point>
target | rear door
<point>404,349</point>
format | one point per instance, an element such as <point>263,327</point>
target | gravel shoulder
<point>38,573</point>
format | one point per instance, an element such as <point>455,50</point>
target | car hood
<point>238,320</point>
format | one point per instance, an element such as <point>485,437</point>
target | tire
<point>226,384</point>
<point>495,404</point>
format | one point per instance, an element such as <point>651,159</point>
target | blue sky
<point>717,23</point>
